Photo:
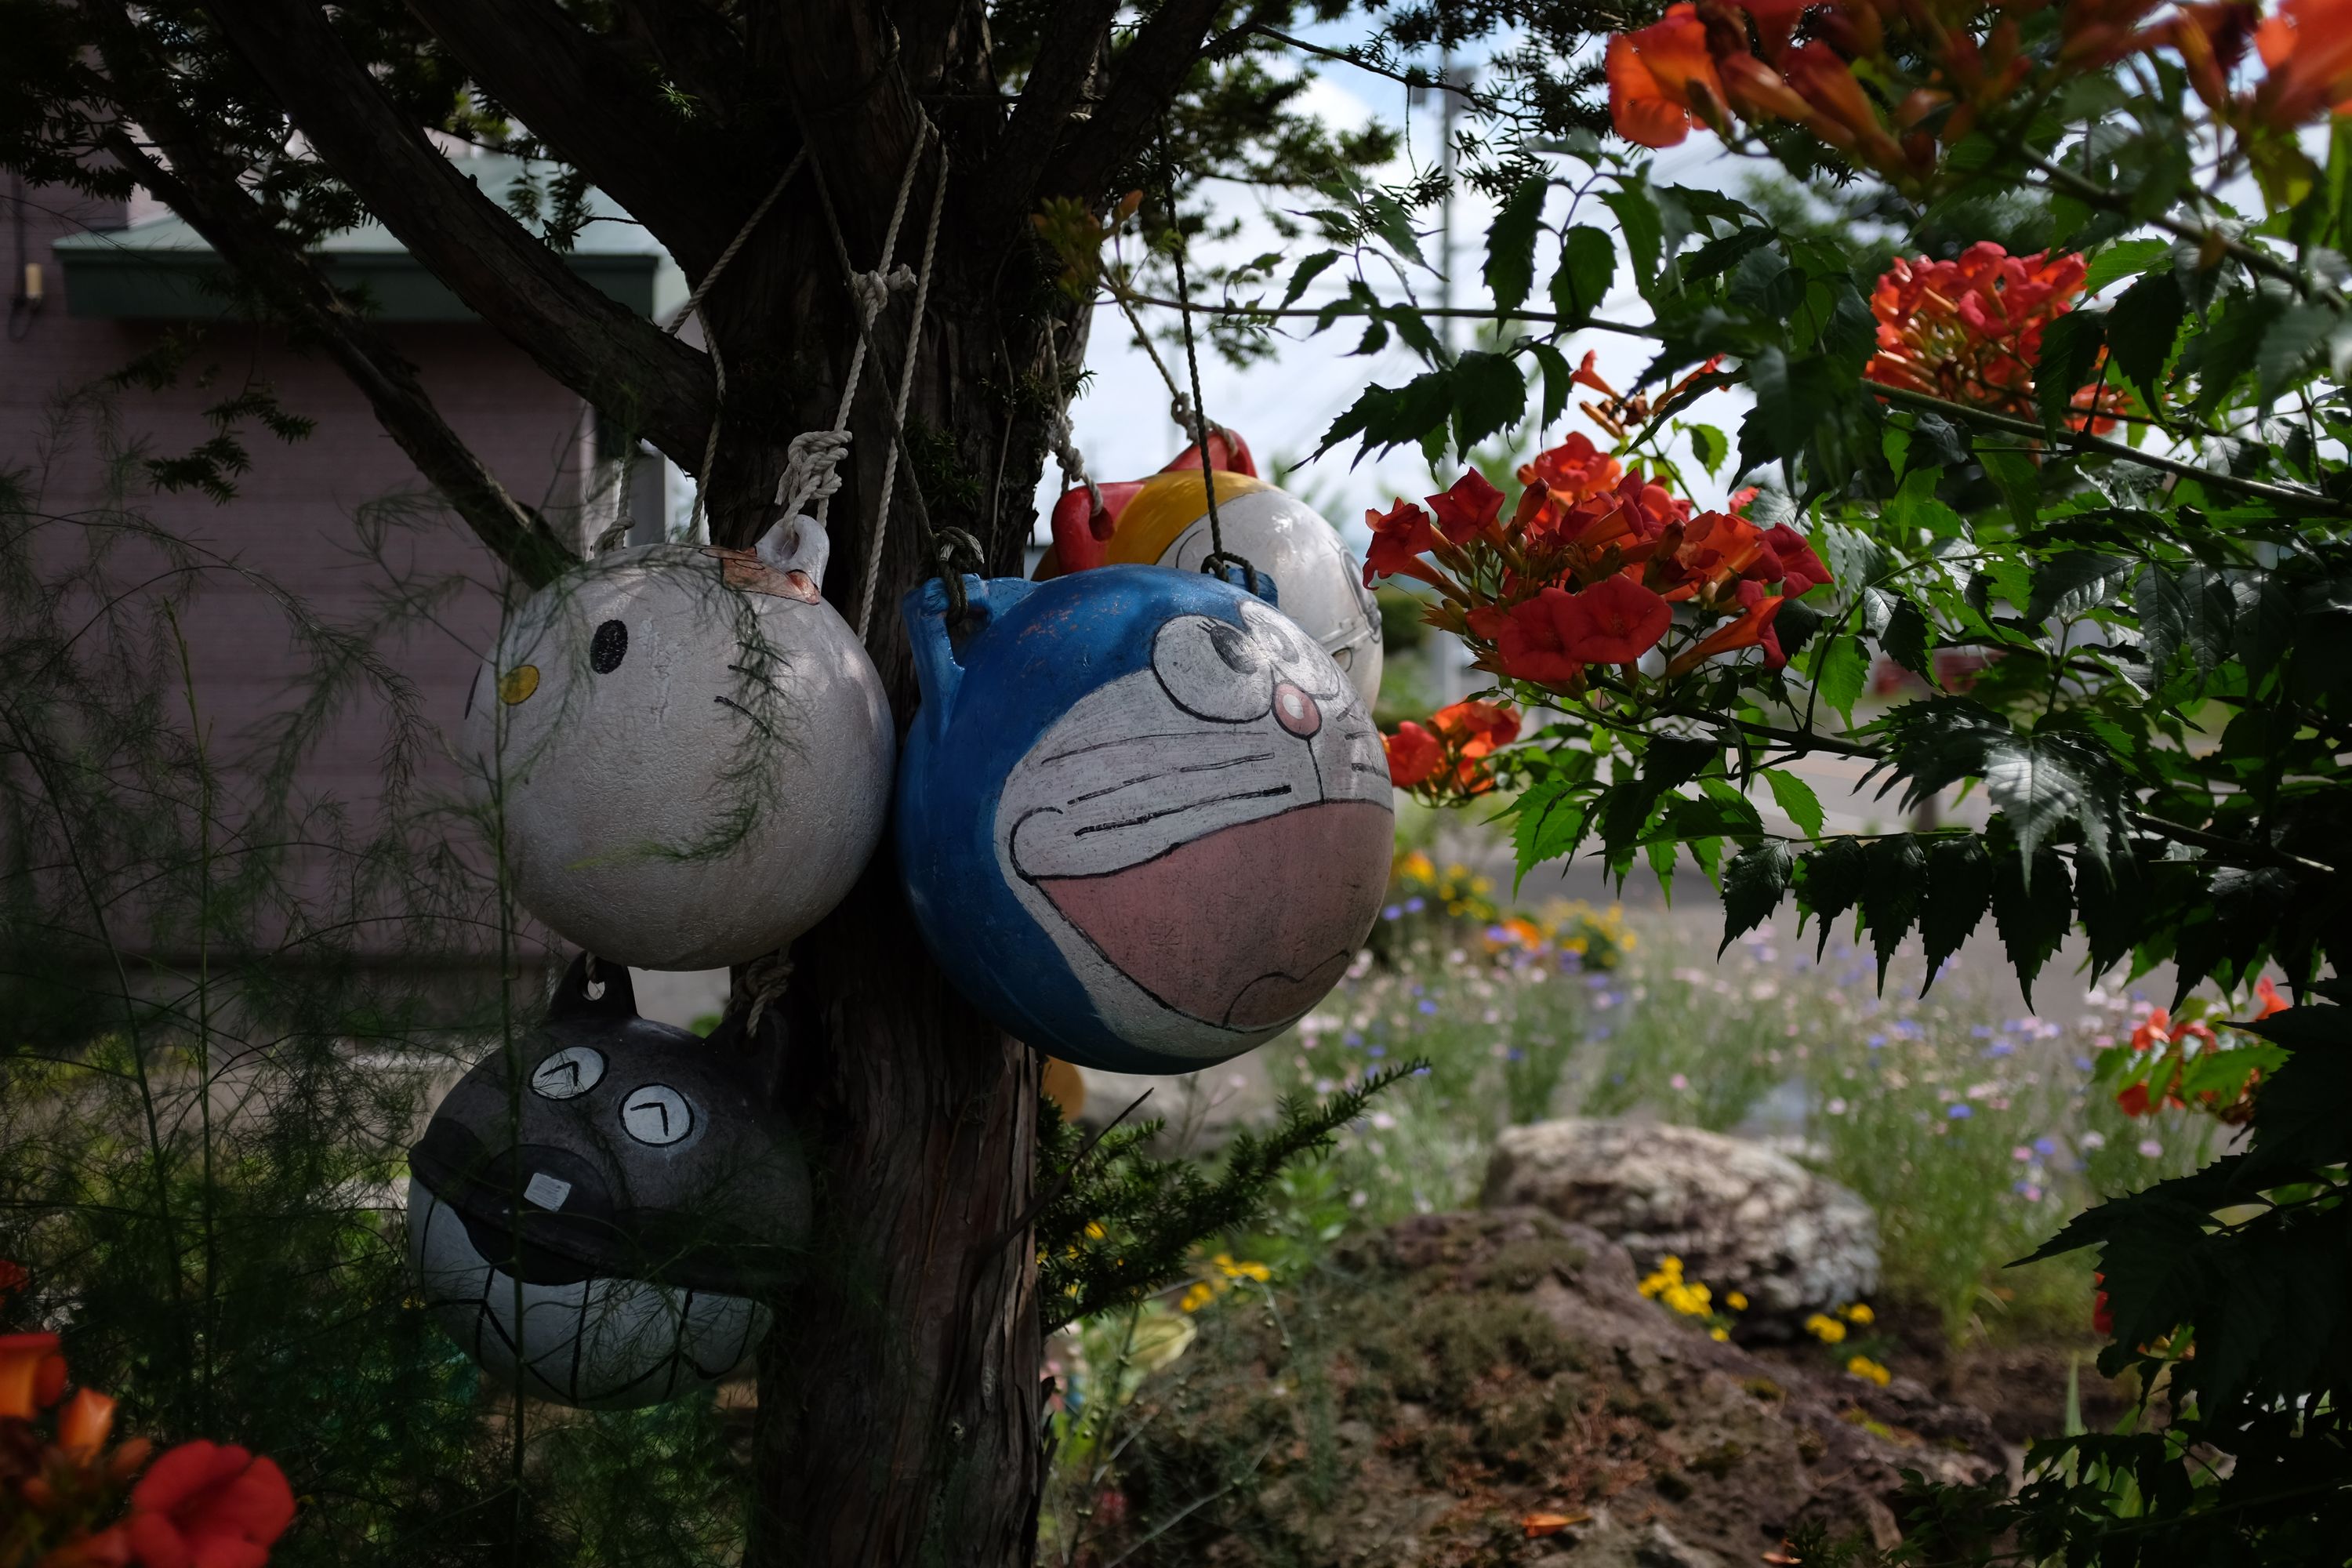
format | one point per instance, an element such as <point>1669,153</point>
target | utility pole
<point>1451,658</point>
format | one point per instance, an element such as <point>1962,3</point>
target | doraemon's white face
<point>1206,840</point>
<point>1320,582</point>
<point>692,751</point>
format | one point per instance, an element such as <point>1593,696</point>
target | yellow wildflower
<point>1718,1334</point>
<point>1869,1371</point>
<point>1095,1231</point>
<point>1244,1269</point>
<point>1418,866</point>
<point>1196,1298</point>
<point>1824,1328</point>
<point>1734,1300</point>
<point>1861,1313</point>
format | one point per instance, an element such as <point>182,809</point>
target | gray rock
<point>1739,1216</point>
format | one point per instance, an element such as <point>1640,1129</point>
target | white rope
<point>1061,438</point>
<point>695,528</point>
<point>813,467</point>
<point>906,392</point>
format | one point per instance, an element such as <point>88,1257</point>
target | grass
<point>1968,1122</point>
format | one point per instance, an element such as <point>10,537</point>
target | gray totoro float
<point>597,1214</point>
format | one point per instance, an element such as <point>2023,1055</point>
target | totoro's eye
<point>1213,669</point>
<point>608,648</point>
<point>657,1114</point>
<point>570,1072</point>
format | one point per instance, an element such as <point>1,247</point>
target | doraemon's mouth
<point>1185,923</point>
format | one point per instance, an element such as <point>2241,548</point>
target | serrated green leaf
<point>1511,244</point>
<point>2292,345</point>
<point>1893,890</point>
<point>2230,346</point>
<point>1832,882</point>
<point>1796,800</point>
<point>1908,639</point>
<point>1959,892</point>
<point>2018,478</point>
<point>2033,914</point>
<point>2070,348</point>
<point>1490,394</point>
<point>2125,258</point>
<point>1588,265</point>
<point>1305,273</point>
<point>1548,825</point>
<point>2142,329</point>
<point>1709,445</point>
<point>1667,764</point>
<point>2072,583</point>
<point>1840,668</point>
<point>2043,782</point>
<point>1644,230</point>
<point>1752,884</point>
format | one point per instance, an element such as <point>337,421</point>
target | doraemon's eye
<point>1214,668</point>
<point>608,648</point>
<point>1293,654</point>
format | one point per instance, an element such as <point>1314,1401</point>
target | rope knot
<point>874,289</point>
<point>812,469</point>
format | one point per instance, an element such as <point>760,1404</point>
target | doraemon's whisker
<point>1124,741</point>
<point>1155,776</point>
<point>1367,768</point>
<point>1173,810</point>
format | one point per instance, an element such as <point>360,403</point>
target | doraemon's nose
<point>1296,712</point>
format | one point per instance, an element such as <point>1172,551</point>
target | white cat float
<point>686,750</point>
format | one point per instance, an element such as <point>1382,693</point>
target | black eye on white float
<point>690,748</point>
<point>603,1232</point>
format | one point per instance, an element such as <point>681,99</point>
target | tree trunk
<point>899,1397</point>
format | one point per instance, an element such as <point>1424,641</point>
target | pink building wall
<point>293,517</point>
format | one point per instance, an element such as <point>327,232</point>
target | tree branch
<point>1072,44</point>
<point>1144,81</point>
<point>696,49</point>
<point>598,110</point>
<point>2282,495</point>
<point>843,68</point>
<point>209,198</point>
<point>583,338</point>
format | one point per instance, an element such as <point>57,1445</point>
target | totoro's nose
<point>1296,712</point>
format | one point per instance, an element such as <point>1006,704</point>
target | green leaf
<point>1511,244</point>
<point>1644,230</point>
<point>1796,800</point>
<point>2290,348</point>
<point>2142,329</point>
<point>2033,914</point>
<point>1307,271</point>
<point>1894,885</point>
<point>1548,825</point>
<point>2017,478</point>
<point>1840,669</point>
<point>2189,607</point>
<point>1489,394</point>
<point>2070,348</point>
<point>1959,891</point>
<point>1709,445</point>
<point>1559,379</point>
<point>1667,764</point>
<point>1833,882</point>
<point>1908,639</point>
<point>2230,347</point>
<point>1588,265</point>
<point>1914,506</point>
<point>2125,258</point>
<point>2045,781</point>
<point>2074,582</point>
<point>1752,886</point>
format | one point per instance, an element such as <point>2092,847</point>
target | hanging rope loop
<point>1181,407</point>
<point>812,469</point>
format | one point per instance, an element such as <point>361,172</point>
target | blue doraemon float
<point>1144,819</point>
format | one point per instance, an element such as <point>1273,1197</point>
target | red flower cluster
<point>201,1505</point>
<point>1587,570</point>
<point>1450,758</point>
<point>1970,331</point>
<point>2174,1043</point>
<point>1933,63</point>
<point>2306,50</point>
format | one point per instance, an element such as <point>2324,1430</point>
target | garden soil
<point>1492,1388</point>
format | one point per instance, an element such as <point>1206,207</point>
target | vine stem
<point>2282,495</point>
